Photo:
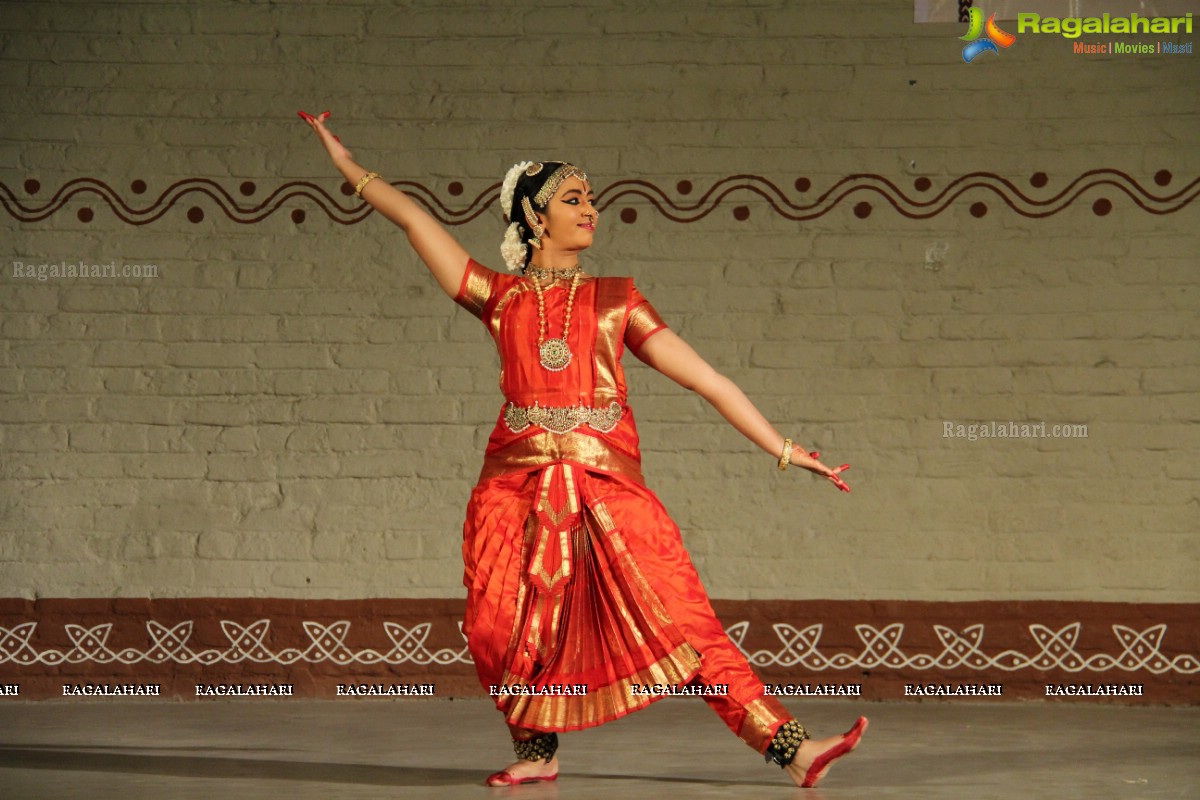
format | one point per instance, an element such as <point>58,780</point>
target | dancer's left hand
<point>837,481</point>
<point>809,462</point>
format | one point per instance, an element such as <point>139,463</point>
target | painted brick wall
<point>293,409</point>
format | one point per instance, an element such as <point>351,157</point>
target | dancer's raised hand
<point>442,254</point>
<point>333,145</point>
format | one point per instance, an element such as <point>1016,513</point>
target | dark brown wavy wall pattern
<point>1034,197</point>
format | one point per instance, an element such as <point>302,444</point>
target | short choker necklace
<point>555,354</point>
<point>541,273</point>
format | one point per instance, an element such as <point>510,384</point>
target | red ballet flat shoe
<point>849,741</point>
<point>506,778</point>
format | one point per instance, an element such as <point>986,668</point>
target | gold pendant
<point>555,354</point>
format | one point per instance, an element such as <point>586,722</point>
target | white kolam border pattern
<point>1137,651</point>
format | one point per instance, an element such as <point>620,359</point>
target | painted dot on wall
<point>741,213</point>
<point>1162,177</point>
<point>247,188</point>
<point>1102,206</point>
<point>347,189</point>
<point>862,210</point>
<point>684,187</point>
<point>629,215</point>
<point>1039,179</point>
<point>979,210</point>
<point>32,186</point>
<point>138,186</point>
<point>803,184</point>
<point>922,184</point>
<point>195,214</point>
<point>85,215</point>
<point>455,188</point>
<point>297,215</point>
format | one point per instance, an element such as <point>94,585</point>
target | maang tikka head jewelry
<point>554,181</point>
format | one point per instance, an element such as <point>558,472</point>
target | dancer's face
<point>570,217</point>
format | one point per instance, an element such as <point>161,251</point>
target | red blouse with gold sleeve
<point>578,414</point>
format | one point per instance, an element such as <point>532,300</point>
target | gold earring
<point>531,219</point>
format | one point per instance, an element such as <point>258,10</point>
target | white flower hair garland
<point>510,184</point>
<point>513,249</point>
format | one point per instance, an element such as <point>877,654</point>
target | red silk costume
<point>575,573</point>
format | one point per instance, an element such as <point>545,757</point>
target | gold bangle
<point>363,181</point>
<point>786,458</point>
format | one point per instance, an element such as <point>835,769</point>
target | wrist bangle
<point>363,181</point>
<point>786,458</point>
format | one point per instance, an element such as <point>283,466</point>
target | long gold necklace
<point>555,354</point>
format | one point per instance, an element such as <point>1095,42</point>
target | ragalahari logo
<point>991,31</point>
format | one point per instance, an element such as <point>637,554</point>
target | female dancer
<point>582,604</point>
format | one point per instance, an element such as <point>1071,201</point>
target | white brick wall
<point>296,410</point>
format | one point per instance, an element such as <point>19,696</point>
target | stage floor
<point>677,748</point>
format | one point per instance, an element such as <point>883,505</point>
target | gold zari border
<point>476,288</point>
<point>760,723</point>
<point>544,448</point>
<point>643,321</point>
<point>612,298</point>
<point>600,704</point>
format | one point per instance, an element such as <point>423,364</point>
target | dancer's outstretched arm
<point>675,358</point>
<point>440,251</point>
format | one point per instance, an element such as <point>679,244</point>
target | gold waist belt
<point>562,419</point>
